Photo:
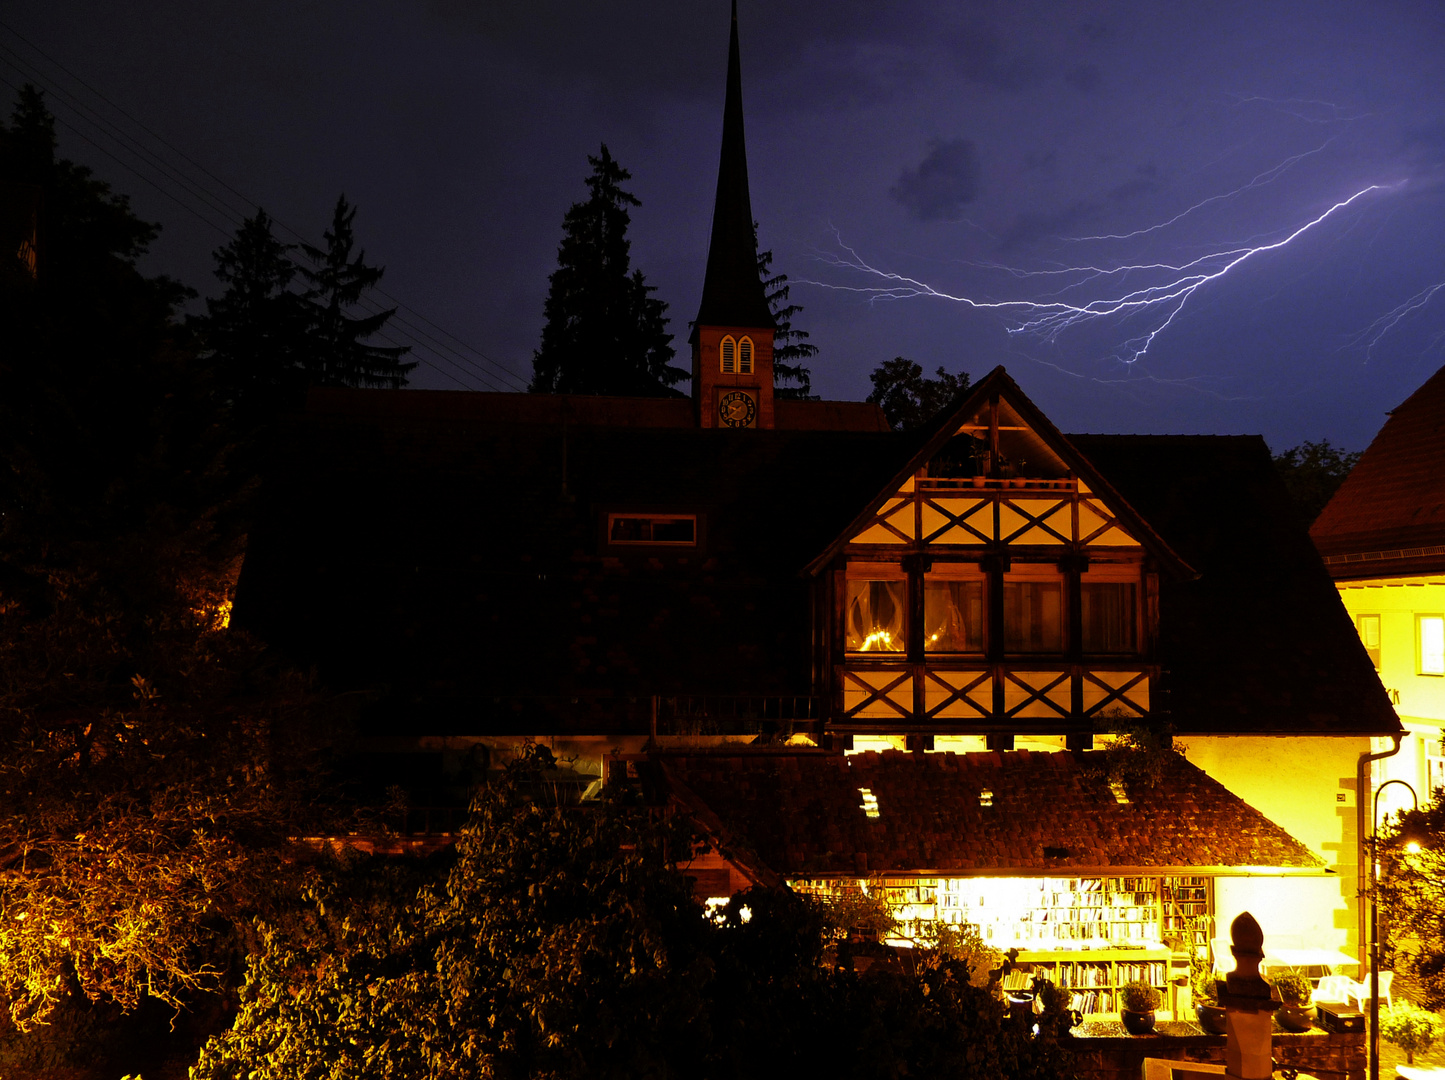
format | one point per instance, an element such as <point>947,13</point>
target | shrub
<point>1139,996</point>
<point>1412,1030</point>
<point>1202,986</point>
<point>1294,988</point>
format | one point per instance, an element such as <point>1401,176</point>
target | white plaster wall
<point>1294,913</point>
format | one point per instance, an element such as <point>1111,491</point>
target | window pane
<point>1032,616</point>
<point>874,621</point>
<point>1109,615</point>
<point>1432,645</point>
<point>652,530</point>
<point>953,616</point>
<point>1369,627</point>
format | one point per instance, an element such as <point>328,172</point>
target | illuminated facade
<point>1383,541</point>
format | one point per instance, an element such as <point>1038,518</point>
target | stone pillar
<point>1249,1005</point>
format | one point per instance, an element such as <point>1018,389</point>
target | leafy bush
<point>1202,985</point>
<point>1139,996</point>
<point>1294,988</point>
<point>1412,1030</point>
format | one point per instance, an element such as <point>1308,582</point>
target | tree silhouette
<point>338,353</point>
<point>1312,472</point>
<point>790,346</point>
<point>910,400</point>
<point>256,332</point>
<point>605,332</point>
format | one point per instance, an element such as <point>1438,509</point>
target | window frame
<point>727,355</point>
<point>1114,574</point>
<point>876,571</point>
<point>949,572</point>
<point>1024,572</point>
<point>745,356</point>
<point>609,516</point>
<point>1374,654</point>
<point>1420,619</point>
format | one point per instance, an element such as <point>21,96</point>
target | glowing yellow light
<point>869,806</point>
<point>881,640</point>
<point>1413,847</point>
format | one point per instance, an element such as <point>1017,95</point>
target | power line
<point>409,319</point>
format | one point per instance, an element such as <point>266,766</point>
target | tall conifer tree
<point>605,333</point>
<point>338,354</point>
<point>256,331</point>
<point>790,346</point>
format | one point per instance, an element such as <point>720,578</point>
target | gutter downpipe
<point>1363,789</point>
<point>1364,797</point>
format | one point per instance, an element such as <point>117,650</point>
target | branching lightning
<point>1266,177</point>
<point>1370,336</point>
<point>1162,301</point>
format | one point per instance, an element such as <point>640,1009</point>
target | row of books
<point>1092,1001</point>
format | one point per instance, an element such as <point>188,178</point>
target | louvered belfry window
<point>730,356</point>
<point>745,356</point>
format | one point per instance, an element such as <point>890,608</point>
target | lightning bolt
<point>1370,336</point>
<point>1266,177</point>
<point>1050,318</point>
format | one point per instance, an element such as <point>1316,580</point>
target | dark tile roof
<point>1393,501</point>
<point>802,814</point>
<point>442,558</point>
<point>1259,642</point>
<point>583,410</point>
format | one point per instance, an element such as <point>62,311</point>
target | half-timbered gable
<point>998,584</point>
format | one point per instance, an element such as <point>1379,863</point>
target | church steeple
<point>732,337</point>
<point>731,292</point>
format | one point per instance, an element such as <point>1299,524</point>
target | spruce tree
<point>256,332</point>
<point>605,332</point>
<point>338,353</point>
<point>790,347</point>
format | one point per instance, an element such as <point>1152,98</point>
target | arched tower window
<point>745,356</point>
<point>729,353</point>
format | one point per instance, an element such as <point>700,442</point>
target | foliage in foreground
<point>1413,1030</point>
<point>1412,900</point>
<point>562,943</point>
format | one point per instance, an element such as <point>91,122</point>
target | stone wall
<point>1106,1052</point>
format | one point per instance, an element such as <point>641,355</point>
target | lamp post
<point>1375,921</point>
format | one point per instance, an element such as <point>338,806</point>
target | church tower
<point>732,337</point>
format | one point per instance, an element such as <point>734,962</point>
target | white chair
<point>1361,992</point>
<point>1337,988</point>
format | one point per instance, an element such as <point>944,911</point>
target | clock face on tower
<point>737,409</point>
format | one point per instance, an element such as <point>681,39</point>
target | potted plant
<point>1294,991</point>
<point>1137,1002</point>
<point>1204,989</point>
<point>1412,1030</point>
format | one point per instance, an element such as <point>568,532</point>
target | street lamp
<point>1375,922</point>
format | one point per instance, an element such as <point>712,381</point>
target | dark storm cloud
<point>664,48</point>
<point>942,184</point>
<point>982,55</point>
<point>1086,78</point>
<point>1033,226</point>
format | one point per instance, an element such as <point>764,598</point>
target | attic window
<point>985,797</point>
<point>869,806</point>
<point>745,356</point>
<point>672,529</point>
<point>729,354</point>
<point>1120,795</point>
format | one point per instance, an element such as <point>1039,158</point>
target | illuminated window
<point>952,615</point>
<point>873,620</point>
<point>1110,616</point>
<point>680,529</point>
<point>729,354</point>
<point>745,356</point>
<point>1431,629</point>
<point>1033,612</point>
<point>1369,628</point>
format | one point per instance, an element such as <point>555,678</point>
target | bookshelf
<point>1187,909</point>
<point>1094,982</point>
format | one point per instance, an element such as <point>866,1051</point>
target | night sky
<point>971,149</point>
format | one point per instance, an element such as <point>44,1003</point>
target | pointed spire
<point>732,293</point>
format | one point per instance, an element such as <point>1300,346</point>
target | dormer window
<point>745,356</point>
<point>729,353</point>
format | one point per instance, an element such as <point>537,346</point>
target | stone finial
<point>1248,1005</point>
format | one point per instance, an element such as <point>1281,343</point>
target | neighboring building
<point>847,651</point>
<point>1383,541</point>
